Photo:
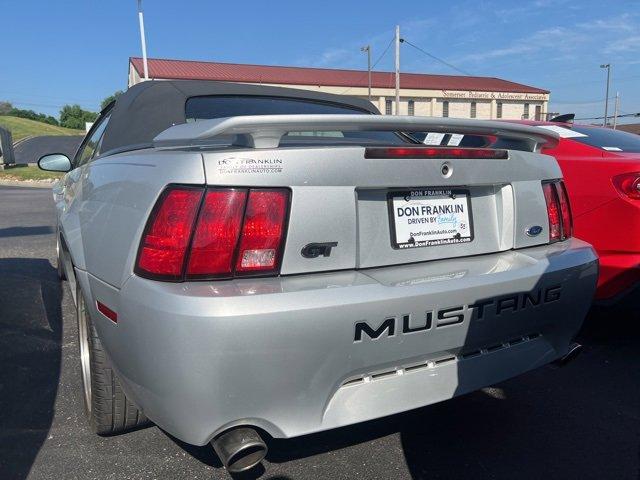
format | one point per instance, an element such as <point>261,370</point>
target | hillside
<point>22,127</point>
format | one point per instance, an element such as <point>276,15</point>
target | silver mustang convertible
<point>252,262</point>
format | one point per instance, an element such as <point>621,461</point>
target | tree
<point>73,116</point>
<point>5,108</point>
<point>110,99</point>
<point>31,115</point>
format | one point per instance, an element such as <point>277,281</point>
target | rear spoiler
<point>566,118</point>
<point>265,131</point>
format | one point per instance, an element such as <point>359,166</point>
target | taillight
<point>558,210</point>
<point>216,234</point>
<point>261,239</point>
<point>198,233</point>
<point>628,184</point>
<point>553,211</point>
<point>164,244</point>
<point>565,210</point>
<point>434,152</point>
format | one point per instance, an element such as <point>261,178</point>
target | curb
<point>18,183</point>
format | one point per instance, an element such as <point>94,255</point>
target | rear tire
<point>107,407</point>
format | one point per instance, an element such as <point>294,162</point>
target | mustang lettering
<point>457,315</point>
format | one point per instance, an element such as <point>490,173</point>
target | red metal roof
<point>236,72</point>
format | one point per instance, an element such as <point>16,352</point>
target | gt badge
<point>314,250</point>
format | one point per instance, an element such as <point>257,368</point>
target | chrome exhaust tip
<point>574,350</point>
<point>239,449</point>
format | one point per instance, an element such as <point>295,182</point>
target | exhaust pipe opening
<point>239,449</point>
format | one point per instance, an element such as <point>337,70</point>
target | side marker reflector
<point>107,312</point>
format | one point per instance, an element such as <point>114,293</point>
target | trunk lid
<point>464,202</point>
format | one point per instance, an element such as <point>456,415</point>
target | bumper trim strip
<point>433,363</point>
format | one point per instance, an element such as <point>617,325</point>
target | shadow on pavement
<point>25,231</point>
<point>582,421</point>
<point>30,355</point>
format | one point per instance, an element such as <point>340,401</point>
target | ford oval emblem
<point>534,231</point>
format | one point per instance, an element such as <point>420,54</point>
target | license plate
<point>427,217</point>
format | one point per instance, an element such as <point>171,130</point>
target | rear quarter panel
<point>110,201</point>
<point>586,173</point>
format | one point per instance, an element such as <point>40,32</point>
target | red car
<point>601,170</point>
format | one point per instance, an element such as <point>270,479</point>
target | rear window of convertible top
<point>209,107</point>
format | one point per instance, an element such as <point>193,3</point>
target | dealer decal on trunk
<point>231,165</point>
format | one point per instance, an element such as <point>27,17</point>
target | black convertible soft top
<point>148,108</point>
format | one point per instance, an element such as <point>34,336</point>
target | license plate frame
<point>424,194</point>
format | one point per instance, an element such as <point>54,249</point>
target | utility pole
<point>615,115</point>
<point>368,50</point>
<point>606,99</point>
<point>397,69</point>
<point>143,41</point>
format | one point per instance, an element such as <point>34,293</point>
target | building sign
<point>494,95</point>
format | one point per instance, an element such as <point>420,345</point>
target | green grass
<point>27,173</point>
<point>23,127</point>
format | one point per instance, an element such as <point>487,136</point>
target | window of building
<point>445,109</point>
<point>473,110</point>
<point>525,115</point>
<point>411,107</point>
<point>499,112</point>
<point>388,107</point>
<point>538,112</point>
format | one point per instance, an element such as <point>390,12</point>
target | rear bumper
<point>279,353</point>
<point>619,275</point>
<point>613,229</point>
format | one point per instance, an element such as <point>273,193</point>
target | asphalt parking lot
<point>581,421</point>
<point>29,150</point>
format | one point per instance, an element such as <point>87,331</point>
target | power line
<point>602,118</point>
<point>585,102</point>
<point>12,94</point>
<point>614,81</point>
<point>383,54</point>
<point>374,63</point>
<point>30,104</point>
<point>47,105</point>
<point>430,55</point>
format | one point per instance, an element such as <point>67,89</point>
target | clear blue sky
<point>76,51</point>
